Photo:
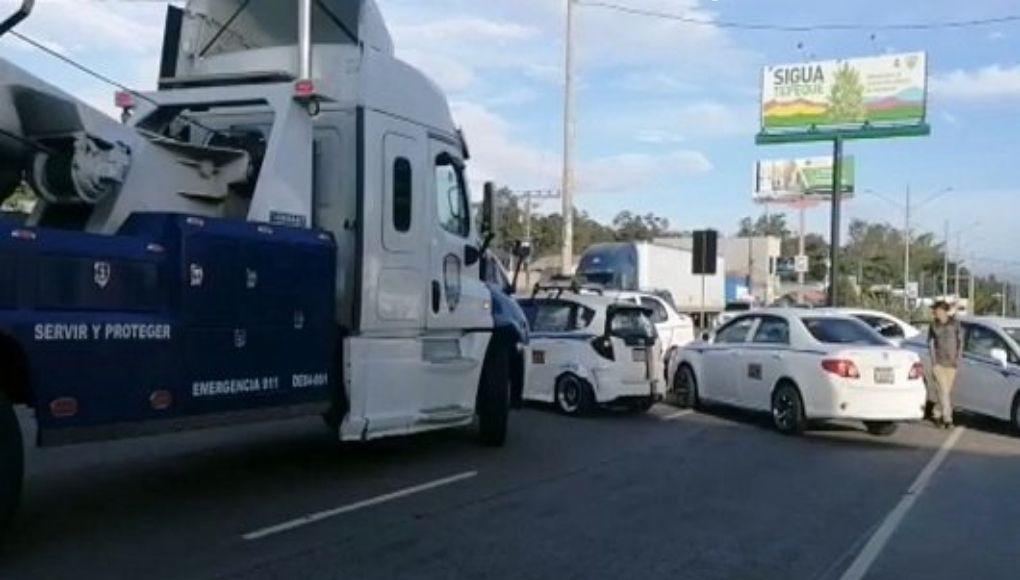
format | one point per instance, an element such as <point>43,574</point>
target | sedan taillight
<point>916,372</point>
<point>841,368</point>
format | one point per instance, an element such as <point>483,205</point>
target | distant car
<point>887,325</point>
<point>988,379</point>
<point>674,329</point>
<point>802,365</point>
<point>589,350</point>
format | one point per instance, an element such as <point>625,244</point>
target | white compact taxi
<point>588,350</point>
<point>802,365</point>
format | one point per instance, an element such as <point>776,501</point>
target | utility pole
<point>906,255</point>
<point>568,148</point>
<point>971,296</point>
<point>837,171</point>
<point>959,258</point>
<point>532,196</point>
<point>1005,296</point>
<point>945,264</point>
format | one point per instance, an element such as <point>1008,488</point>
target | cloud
<point>466,30</point>
<point>502,156</point>
<point>989,83</point>
<point>452,75</point>
<point>133,28</point>
<point>661,121</point>
<point>637,172</point>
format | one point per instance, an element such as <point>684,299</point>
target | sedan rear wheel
<point>788,410</point>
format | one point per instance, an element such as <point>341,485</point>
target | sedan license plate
<point>640,355</point>
<point>885,376</point>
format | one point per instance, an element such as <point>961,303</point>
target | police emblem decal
<point>101,274</point>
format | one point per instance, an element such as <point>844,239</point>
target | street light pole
<point>945,264</point>
<point>906,255</point>
<point>568,148</point>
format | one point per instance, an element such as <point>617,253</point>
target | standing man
<point>945,346</point>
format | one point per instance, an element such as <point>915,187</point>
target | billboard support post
<point>837,169</point>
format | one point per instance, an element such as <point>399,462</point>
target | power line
<point>79,66</point>
<point>820,27</point>
<point>100,76</point>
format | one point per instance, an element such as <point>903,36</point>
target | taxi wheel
<point>881,428</point>
<point>685,387</point>
<point>12,463</point>
<point>788,410</point>
<point>573,396</point>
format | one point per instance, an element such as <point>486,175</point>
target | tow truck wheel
<point>573,397</point>
<point>12,463</point>
<point>494,398</point>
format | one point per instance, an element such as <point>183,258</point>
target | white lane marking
<point>677,415</point>
<point>860,566</point>
<point>319,516</point>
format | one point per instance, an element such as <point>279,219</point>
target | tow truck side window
<point>402,195</point>
<point>451,197</point>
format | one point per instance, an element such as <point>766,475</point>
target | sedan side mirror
<point>1001,357</point>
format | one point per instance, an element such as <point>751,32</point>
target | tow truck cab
<point>283,228</point>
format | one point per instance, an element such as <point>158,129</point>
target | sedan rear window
<point>842,331</point>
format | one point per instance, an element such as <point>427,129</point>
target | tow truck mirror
<point>488,224</point>
<point>1001,357</point>
<point>706,336</point>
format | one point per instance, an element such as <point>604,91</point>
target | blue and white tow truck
<point>283,228</point>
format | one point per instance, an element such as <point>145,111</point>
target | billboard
<point>795,179</point>
<point>852,94</point>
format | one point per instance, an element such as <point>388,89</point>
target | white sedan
<point>890,327</point>
<point>803,365</point>
<point>988,379</point>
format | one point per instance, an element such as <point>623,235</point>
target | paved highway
<point>665,495</point>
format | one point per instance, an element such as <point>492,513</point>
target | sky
<point>666,111</point>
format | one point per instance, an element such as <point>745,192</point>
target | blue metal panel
<point>174,316</point>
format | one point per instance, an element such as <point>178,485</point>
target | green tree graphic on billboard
<point>846,99</point>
